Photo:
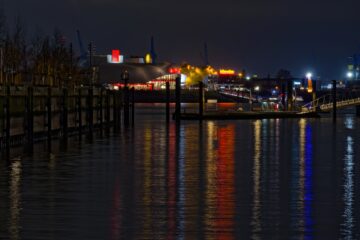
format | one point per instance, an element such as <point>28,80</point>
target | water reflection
<point>348,215</point>
<point>305,179</point>
<point>171,182</point>
<point>264,179</point>
<point>15,199</point>
<point>210,171</point>
<point>225,182</point>
<point>256,206</point>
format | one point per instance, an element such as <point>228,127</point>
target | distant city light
<point>257,88</point>
<point>183,78</point>
<point>310,86</point>
<point>174,70</point>
<point>148,59</point>
<point>248,77</point>
<point>115,56</point>
<point>350,75</point>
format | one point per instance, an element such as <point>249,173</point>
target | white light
<point>110,59</point>
<point>350,75</point>
<point>309,75</point>
<point>183,78</point>
<point>116,87</point>
<point>257,88</point>
<point>248,78</point>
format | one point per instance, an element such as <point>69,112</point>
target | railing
<point>29,114</point>
<point>325,103</point>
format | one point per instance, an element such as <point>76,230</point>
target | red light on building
<point>115,56</point>
<point>174,70</point>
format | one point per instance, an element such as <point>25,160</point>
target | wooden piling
<point>30,118</point>
<point>79,112</point>
<point>178,99</point>
<point>101,109</point>
<point>201,100</point>
<point>334,99</point>
<point>107,111</point>
<point>132,106</point>
<point>65,113</point>
<point>7,122</point>
<point>358,111</point>
<point>167,102</point>
<point>90,111</point>
<point>115,111</point>
<point>49,118</point>
<point>126,105</point>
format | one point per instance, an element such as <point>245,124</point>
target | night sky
<point>260,36</point>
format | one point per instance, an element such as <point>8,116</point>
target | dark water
<point>264,179</point>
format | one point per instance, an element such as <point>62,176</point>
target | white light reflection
<point>348,224</point>
<point>349,123</point>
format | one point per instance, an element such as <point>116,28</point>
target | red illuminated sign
<point>174,70</point>
<point>115,56</point>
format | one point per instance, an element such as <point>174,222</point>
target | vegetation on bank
<point>46,60</point>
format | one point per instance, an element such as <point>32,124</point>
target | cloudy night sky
<point>260,36</point>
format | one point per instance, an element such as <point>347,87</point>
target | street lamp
<point>309,75</point>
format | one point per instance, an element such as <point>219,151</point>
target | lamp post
<point>125,78</point>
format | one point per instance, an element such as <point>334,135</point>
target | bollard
<point>167,102</point>
<point>79,108</point>
<point>178,99</point>
<point>132,106</point>
<point>201,100</point>
<point>48,105</point>
<point>7,122</point>
<point>334,99</point>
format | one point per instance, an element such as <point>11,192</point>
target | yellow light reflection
<point>147,197</point>
<point>210,212</point>
<point>256,209</point>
